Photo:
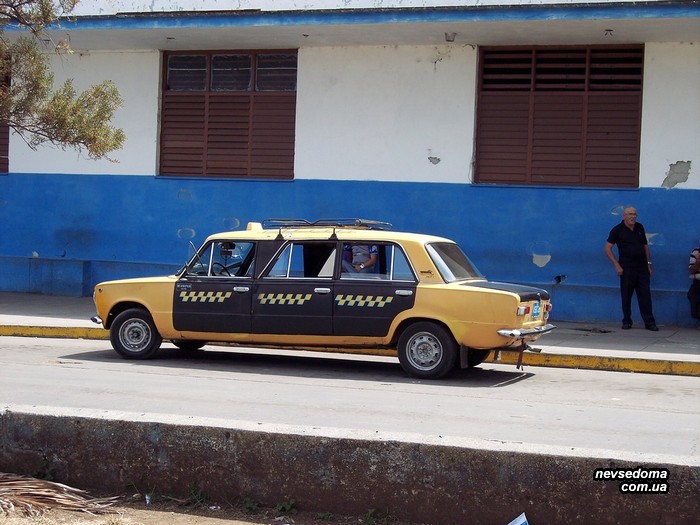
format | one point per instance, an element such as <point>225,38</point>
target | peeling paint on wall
<point>656,239</point>
<point>677,173</point>
<point>186,233</point>
<point>184,195</point>
<point>541,254</point>
<point>231,223</point>
<point>617,210</point>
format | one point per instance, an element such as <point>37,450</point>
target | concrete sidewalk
<point>672,350</point>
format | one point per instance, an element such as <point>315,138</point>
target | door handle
<point>240,289</point>
<point>405,293</point>
<point>322,291</point>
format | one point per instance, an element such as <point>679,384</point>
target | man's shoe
<point>653,328</point>
<point>626,326</point>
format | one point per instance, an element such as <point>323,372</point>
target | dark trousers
<point>636,280</point>
<point>694,297</point>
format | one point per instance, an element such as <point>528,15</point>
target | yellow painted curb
<point>59,332</point>
<point>615,364</point>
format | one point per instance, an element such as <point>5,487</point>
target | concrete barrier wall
<point>424,483</point>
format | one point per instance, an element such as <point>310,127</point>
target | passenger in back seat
<point>360,258</point>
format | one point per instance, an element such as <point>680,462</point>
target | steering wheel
<point>223,268</point>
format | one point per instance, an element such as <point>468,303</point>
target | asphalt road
<point>652,418</point>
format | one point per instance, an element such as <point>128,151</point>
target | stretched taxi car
<point>286,283</point>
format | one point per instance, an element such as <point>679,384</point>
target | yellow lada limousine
<point>346,285</point>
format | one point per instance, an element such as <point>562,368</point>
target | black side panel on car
<point>206,304</point>
<point>293,307</point>
<point>368,307</point>
<point>266,250</point>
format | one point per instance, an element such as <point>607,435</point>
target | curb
<point>581,362</point>
<point>59,332</point>
<point>612,364</point>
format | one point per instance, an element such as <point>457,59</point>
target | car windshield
<point>451,262</point>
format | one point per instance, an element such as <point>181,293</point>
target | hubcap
<point>135,335</point>
<point>424,351</point>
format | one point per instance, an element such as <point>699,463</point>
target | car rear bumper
<point>526,333</point>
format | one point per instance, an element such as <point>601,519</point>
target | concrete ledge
<point>428,483</point>
<point>589,362</point>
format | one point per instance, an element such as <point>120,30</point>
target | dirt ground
<point>172,513</point>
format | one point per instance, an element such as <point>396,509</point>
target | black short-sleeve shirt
<point>630,244</point>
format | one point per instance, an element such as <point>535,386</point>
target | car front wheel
<point>133,334</point>
<point>427,350</point>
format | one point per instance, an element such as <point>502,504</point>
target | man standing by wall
<point>694,292</point>
<point>634,267</point>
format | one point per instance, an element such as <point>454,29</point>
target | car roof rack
<point>325,223</point>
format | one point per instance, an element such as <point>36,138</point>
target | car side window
<point>400,267</point>
<point>224,259</point>
<point>304,260</point>
<point>384,262</point>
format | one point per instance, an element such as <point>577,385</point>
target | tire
<point>188,345</point>
<point>476,357</point>
<point>133,334</point>
<point>427,350</point>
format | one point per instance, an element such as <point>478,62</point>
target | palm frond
<point>33,497</point>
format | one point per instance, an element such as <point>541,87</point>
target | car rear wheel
<point>133,334</point>
<point>427,350</point>
<point>476,357</point>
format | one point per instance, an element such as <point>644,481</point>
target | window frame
<point>236,134</point>
<point>543,120</point>
<point>292,248</point>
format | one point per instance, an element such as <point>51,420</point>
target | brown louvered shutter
<point>228,135</point>
<point>503,143</point>
<point>272,152</point>
<point>182,134</point>
<point>4,148</point>
<point>559,116</point>
<point>234,116</point>
<point>5,137</point>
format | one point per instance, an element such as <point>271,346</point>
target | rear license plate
<point>536,310</point>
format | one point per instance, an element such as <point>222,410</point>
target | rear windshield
<point>451,262</point>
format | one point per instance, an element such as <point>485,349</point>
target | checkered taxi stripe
<point>204,297</point>
<point>284,298</point>
<point>371,301</point>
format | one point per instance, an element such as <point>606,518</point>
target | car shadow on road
<point>306,364</point>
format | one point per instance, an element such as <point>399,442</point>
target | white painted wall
<point>386,113</point>
<point>671,112</point>
<point>109,7</point>
<point>137,77</point>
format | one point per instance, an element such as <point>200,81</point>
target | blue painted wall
<point>62,234</point>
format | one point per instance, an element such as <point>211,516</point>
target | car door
<point>295,294</point>
<point>214,294</point>
<point>366,303</point>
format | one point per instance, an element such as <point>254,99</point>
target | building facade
<point>520,129</point>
